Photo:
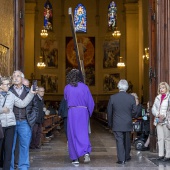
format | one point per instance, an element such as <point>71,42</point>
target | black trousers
<point>36,135</point>
<point>123,144</point>
<point>65,125</point>
<point>6,146</point>
<point>16,152</point>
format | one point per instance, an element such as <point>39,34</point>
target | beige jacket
<point>8,119</point>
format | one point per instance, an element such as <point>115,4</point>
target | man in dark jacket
<point>63,112</point>
<point>37,128</point>
<point>121,108</point>
<point>24,121</point>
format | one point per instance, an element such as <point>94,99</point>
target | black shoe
<point>160,158</point>
<point>38,147</point>
<point>32,147</point>
<point>120,162</point>
<point>15,166</point>
<point>128,159</point>
<point>166,159</point>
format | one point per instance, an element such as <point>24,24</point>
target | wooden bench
<point>51,122</point>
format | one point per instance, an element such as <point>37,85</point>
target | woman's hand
<point>161,118</point>
<point>5,110</point>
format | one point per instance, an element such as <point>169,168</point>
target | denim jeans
<point>23,132</point>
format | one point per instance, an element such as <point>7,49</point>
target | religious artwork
<point>110,82</point>
<point>50,83</point>
<point>111,53</point>
<point>49,52</point>
<point>87,52</point>
<point>4,60</point>
<point>112,15</point>
<point>80,18</point>
<point>48,16</point>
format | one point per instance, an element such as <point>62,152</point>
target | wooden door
<point>159,45</point>
<point>19,6</point>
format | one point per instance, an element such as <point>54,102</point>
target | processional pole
<point>78,57</point>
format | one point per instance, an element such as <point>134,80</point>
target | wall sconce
<point>41,64</point>
<point>120,64</point>
<point>44,33</point>
<point>146,55</point>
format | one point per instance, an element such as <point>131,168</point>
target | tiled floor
<point>54,155</point>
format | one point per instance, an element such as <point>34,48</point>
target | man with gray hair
<point>25,119</point>
<point>121,108</point>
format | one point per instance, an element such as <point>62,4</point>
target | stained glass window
<point>80,18</point>
<point>112,15</point>
<point>48,16</point>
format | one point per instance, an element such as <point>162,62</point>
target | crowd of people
<point>22,114</point>
<point>123,107</point>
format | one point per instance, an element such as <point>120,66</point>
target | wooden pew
<point>51,123</point>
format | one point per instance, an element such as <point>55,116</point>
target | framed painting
<point>50,83</point>
<point>111,53</point>
<point>87,52</point>
<point>110,82</point>
<point>49,52</point>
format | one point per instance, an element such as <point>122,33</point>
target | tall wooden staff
<point>79,56</point>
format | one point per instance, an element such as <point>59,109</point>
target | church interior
<point>114,45</point>
<point>102,72</point>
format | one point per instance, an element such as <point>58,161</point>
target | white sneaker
<point>75,161</point>
<point>86,158</point>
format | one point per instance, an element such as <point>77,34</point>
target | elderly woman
<point>80,107</point>
<point>138,105</point>
<point>159,110</point>
<point>7,118</point>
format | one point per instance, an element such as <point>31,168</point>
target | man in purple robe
<point>80,108</point>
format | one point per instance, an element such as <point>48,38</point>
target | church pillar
<point>132,44</point>
<point>29,39</point>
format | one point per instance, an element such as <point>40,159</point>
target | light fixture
<point>116,34</point>
<point>146,55</point>
<point>120,64</point>
<point>44,33</point>
<point>41,64</point>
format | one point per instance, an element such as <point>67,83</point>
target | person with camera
<point>159,110</point>
<point>7,118</point>
<point>25,119</point>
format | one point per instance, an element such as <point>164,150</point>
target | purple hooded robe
<point>81,105</point>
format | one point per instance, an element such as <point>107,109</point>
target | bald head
<point>25,82</point>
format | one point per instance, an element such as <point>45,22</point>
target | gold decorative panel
<point>7,37</point>
<point>4,60</point>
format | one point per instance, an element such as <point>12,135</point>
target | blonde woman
<point>159,110</point>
